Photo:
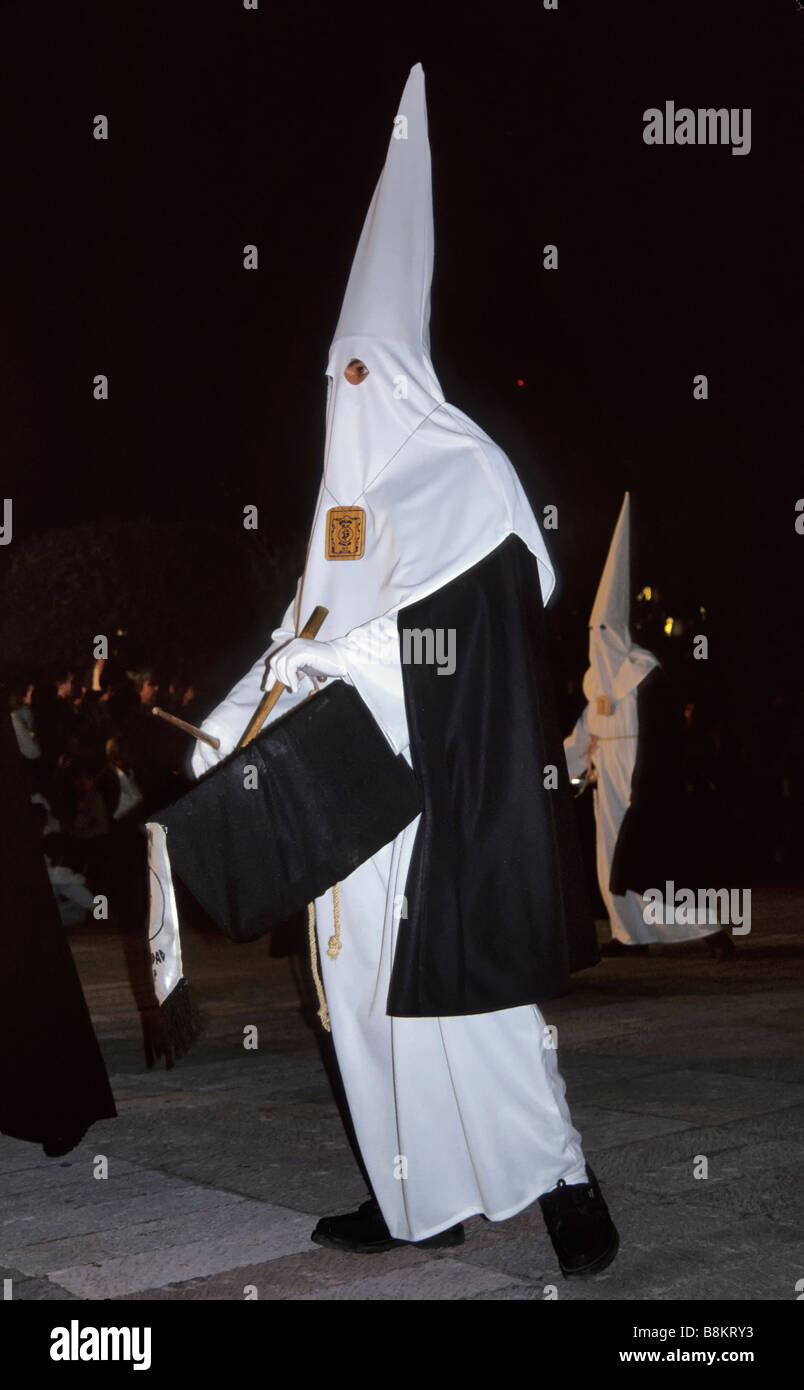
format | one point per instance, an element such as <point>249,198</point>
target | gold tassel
<point>334,943</point>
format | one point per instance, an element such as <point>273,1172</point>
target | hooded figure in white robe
<point>449,934</point>
<point>606,742</point>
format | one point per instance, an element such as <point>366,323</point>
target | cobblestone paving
<point>218,1169</point>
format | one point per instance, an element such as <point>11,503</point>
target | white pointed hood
<point>438,494</point>
<point>616,663</point>
<point>388,292</point>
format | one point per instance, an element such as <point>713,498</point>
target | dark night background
<point>228,127</point>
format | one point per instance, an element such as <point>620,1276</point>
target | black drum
<point>280,821</point>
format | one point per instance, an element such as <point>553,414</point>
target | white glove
<point>315,659</point>
<point>282,635</point>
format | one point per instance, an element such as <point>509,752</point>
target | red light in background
<point>519,381</point>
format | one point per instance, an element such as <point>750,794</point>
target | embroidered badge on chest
<point>346,533</point>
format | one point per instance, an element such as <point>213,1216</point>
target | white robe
<point>454,1116</point>
<point>614,760</point>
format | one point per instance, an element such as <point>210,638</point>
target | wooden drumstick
<point>310,630</point>
<point>188,728</point>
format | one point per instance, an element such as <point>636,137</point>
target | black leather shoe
<point>615,947</point>
<point>583,1234</point>
<point>364,1232</point>
<point>720,946</point>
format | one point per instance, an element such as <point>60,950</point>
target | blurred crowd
<point>98,763</point>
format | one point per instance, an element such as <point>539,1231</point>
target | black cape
<point>658,839</point>
<point>497,914</point>
<point>53,1082</point>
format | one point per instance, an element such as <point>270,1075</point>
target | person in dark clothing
<point>53,1082</point>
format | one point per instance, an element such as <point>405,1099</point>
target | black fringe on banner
<point>180,1024</point>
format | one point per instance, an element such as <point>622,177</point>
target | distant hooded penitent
<point>624,689</point>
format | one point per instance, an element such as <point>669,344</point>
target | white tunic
<point>454,1116</point>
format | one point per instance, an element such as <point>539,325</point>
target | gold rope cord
<point>334,944</point>
<point>333,947</point>
<point>595,739</point>
<point>323,1011</point>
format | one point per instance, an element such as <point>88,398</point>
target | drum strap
<point>333,947</point>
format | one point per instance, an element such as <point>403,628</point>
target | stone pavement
<point>218,1169</point>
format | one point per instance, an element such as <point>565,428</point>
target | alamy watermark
<point>708,125</point>
<point>414,646</point>
<point>77,1343</point>
<point>430,647</point>
<point>708,906</point>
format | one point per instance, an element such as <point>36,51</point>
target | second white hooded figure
<point>606,741</point>
<point>449,935</point>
